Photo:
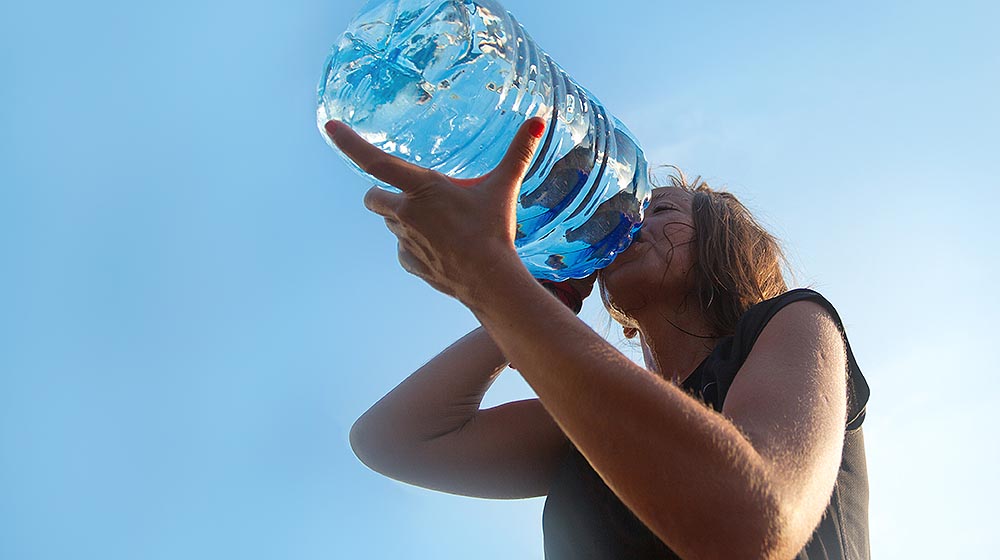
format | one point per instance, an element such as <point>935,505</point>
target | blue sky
<point>197,306</point>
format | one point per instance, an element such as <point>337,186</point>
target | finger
<point>415,248</point>
<point>583,285</point>
<point>383,202</point>
<point>373,161</point>
<point>405,241</point>
<point>515,162</point>
<point>395,227</point>
<point>410,262</point>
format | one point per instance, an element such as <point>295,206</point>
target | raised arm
<point>710,485</point>
<point>749,483</point>
<point>430,431</point>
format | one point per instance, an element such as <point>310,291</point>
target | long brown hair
<point>738,262</point>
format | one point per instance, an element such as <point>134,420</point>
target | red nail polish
<point>536,129</point>
<point>331,127</point>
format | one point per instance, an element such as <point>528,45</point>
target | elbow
<point>365,445</point>
<point>766,542</point>
<point>787,524</point>
<point>380,448</point>
<point>357,439</point>
<point>760,530</point>
<point>770,536</point>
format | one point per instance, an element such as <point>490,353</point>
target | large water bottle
<point>445,84</point>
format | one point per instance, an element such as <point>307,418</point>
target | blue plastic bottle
<point>445,84</point>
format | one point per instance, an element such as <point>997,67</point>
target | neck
<point>673,344</point>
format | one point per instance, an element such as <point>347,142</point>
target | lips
<point>628,254</point>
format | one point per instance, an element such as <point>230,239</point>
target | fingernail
<point>331,127</point>
<point>536,129</point>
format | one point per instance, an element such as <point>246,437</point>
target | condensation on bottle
<point>445,84</point>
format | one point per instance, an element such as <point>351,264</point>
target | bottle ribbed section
<point>446,84</point>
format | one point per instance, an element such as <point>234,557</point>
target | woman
<point>633,462</point>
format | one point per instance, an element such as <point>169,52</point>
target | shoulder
<point>798,347</point>
<point>802,325</point>
<point>797,320</point>
<point>800,316</point>
<point>792,340</point>
<point>759,316</point>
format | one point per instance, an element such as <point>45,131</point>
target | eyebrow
<point>657,197</point>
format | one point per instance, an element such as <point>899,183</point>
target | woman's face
<point>659,264</point>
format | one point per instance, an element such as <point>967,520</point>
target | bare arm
<point>430,431</point>
<point>686,471</point>
<point>709,485</point>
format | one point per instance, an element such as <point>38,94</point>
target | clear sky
<point>196,306</point>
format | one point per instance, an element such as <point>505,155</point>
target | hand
<point>571,292</point>
<point>583,286</point>
<point>451,232</point>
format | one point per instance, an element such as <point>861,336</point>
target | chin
<point>618,287</point>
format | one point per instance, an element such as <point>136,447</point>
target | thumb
<point>515,162</point>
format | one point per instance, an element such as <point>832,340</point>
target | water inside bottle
<point>446,85</point>
<point>408,82</point>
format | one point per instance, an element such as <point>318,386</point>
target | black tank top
<point>583,519</point>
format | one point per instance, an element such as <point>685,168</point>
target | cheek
<point>684,261</point>
<point>684,247</point>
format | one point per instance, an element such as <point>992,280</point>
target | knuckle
<point>371,198</point>
<point>403,256</point>
<point>425,185</point>
<point>409,261</point>
<point>527,151</point>
<point>404,214</point>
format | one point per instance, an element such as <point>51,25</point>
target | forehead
<point>672,194</point>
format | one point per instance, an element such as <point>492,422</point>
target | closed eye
<point>663,207</point>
